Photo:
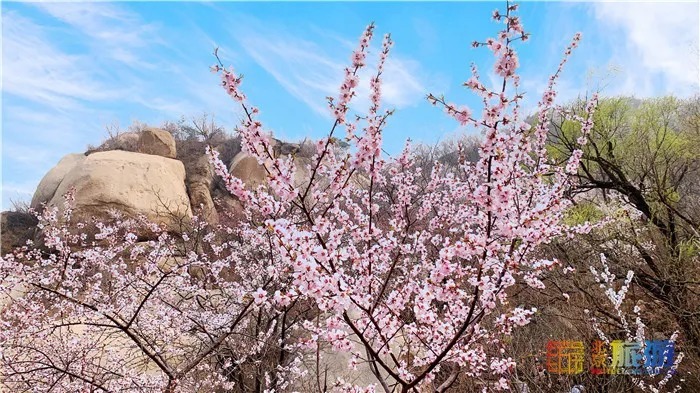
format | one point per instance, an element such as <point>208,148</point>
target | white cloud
<point>311,72</point>
<point>112,31</point>
<point>654,40</point>
<point>36,70</point>
<point>297,65</point>
<point>401,87</point>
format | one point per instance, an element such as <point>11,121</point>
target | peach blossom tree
<point>412,276</point>
<point>407,269</point>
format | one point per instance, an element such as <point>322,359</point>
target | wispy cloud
<point>110,30</point>
<point>655,45</point>
<point>298,65</point>
<point>311,72</point>
<point>34,69</point>
<point>402,83</point>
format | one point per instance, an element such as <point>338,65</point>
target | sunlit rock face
<point>131,183</point>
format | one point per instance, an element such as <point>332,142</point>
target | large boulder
<point>132,183</point>
<point>246,167</point>
<point>49,183</point>
<point>157,142</point>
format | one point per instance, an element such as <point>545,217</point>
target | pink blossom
<point>260,296</point>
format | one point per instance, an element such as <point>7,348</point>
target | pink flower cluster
<point>376,82</point>
<point>231,83</point>
<point>351,79</point>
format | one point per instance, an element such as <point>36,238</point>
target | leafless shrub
<point>197,128</point>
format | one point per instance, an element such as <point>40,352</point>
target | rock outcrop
<point>132,183</point>
<point>246,167</point>
<point>47,186</point>
<point>157,142</point>
<point>150,182</point>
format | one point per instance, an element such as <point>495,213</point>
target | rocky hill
<point>146,173</point>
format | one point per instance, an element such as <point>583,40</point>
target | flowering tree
<point>408,271</point>
<point>412,276</point>
<point>110,313</point>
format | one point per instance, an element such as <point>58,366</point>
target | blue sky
<point>70,69</point>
